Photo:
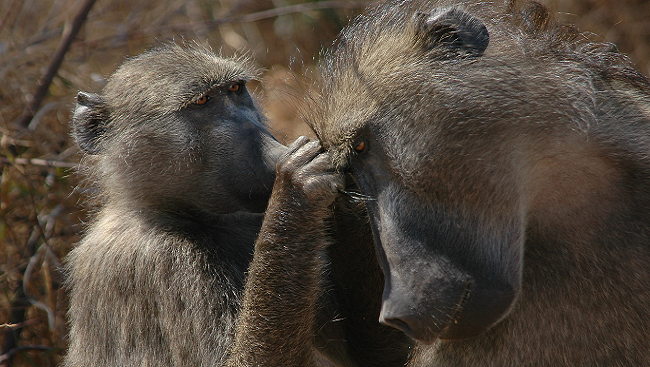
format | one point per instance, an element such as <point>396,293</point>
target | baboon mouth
<point>421,334</point>
<point>454,319</point>
<point>455,316</point>
<point>458,310</point>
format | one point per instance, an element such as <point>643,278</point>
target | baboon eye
<point>235,87</point>
<point>202,100</point>
<point>360,146</point>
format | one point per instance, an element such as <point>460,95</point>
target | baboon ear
<point>451,33</point>
<point>88,122</point>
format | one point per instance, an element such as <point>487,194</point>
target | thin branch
<point>21,324</point>
<point>37,162</point>
<point>291,9</point>
<point>44,84</point>
<point>245,18</point>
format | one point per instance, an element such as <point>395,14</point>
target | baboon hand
<point>306,172</point>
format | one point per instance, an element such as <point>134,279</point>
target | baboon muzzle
<point>436,300</point>
<point>431,290</point>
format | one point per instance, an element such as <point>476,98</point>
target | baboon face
<point>432,154</point>
<point>176,128</point>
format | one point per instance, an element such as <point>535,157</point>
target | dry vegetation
<point>41,212</point>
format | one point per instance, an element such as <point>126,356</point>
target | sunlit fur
<point>157,278</point>
<point>538,149</point>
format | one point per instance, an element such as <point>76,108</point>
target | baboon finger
<point>321,163</point>
<point>293,147</point>
<point>302,140</point>
<point>302,156</point>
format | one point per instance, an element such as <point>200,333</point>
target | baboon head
<point>447,118</point>
<point>175,129</point>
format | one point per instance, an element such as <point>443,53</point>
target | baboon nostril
<point>397,324</point>
<point>411,326</point>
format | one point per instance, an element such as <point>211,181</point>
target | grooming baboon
<point>505,165</point>
<point>179,152</point>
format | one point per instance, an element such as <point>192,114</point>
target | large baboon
<point>505,165</point>
<point>178,150</point>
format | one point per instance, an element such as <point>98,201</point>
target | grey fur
<point>157,278</point>
<point>508,191</point>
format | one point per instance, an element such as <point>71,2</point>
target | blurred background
<point>42,214</point>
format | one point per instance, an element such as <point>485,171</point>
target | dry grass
<point>41,215</point>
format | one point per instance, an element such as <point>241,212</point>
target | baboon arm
<point>275,327</point>
<point>275,324</point>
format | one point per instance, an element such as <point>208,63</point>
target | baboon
<point>180,154</point>
<point>503,160</point>
<point>184,166</point>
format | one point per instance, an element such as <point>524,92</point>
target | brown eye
<point>203,100</point>
<point>360,146</point>
<point>234,87</point>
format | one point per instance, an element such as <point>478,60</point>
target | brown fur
<point>507,185</point>
<point>537,149</point>
<point>157,278</point>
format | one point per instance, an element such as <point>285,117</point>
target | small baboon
<point>504,162</point>
<point>180,154</point>
<point>184,165</point>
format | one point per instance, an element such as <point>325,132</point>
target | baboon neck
<point>179,216</point>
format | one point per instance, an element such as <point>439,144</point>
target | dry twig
<point>37,162</point>
<point>69,33</point>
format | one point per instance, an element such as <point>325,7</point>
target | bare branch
<point>291,9</point>
<point>69,33</point>
<point>246,18</point>
<point>37,162</point>
<point>21,324</point>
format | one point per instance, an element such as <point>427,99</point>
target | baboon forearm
<point>281,293</point>
<point>276,324</point>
